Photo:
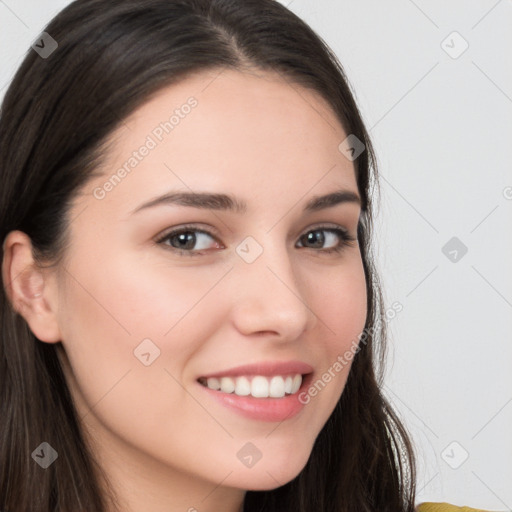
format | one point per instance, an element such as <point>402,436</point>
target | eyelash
<point>346,239</point>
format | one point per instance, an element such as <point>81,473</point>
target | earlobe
<point>26,288</point>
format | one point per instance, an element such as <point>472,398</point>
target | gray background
<point>441,122</point>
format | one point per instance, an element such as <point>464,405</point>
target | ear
<point>31,293</point>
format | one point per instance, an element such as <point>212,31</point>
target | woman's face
<point>143,313</point>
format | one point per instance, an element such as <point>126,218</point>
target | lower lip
<point>263,409</point>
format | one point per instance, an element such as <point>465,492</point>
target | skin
<point>165,444</point>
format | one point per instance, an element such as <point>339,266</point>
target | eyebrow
<point>212,201</point>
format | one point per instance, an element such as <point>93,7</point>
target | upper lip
<point>264,368</point>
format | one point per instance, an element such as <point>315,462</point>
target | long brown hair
<point>55,118</point>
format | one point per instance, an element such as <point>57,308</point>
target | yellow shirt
<point>445,507</point>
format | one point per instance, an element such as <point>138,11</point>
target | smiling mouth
<point>257,386</point>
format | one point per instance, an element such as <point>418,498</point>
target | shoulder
<point>445,507</point>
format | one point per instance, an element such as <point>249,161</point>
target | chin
<point>272,475</point>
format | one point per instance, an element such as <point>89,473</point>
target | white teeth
<point>258,387</point>
<point>242,386</point>
<point>213,383</point>
<point>227,385</point>
<point>297,381</point>
<point>288,385</point>
<point>276,388</point>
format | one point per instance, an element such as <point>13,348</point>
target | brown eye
<point>186,239</point>
<point>318,239</point>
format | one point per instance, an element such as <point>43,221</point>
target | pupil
<point>184,238</point>
<point>318,236</point>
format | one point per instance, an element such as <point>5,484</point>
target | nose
<point>271,297</point>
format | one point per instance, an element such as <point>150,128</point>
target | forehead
<point>259,103</point>
<point>226,128</point>
<point>252,89</point>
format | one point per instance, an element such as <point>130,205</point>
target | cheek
<point>342,311</point>
<point>123,308</point>
<point>133,299</point>
<point>342,304</point>
<point>118,317</point>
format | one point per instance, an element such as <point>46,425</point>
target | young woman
<point>191,319</point>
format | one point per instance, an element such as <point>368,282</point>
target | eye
<point>192,241</point>
<point>333,233</point>
<point>184,239</point>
